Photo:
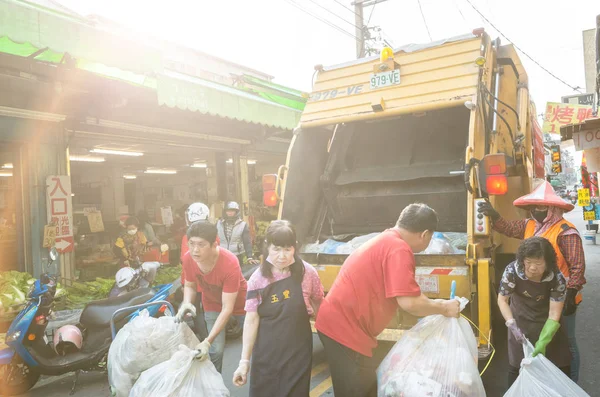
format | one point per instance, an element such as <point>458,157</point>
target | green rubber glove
<point>548,332</point>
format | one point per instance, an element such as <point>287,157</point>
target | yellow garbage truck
<point>449,124</point>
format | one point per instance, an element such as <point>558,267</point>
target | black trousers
<point>200,328</point>
<point>513,373</point>
<point>352,374</point>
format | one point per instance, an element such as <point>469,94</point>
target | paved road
<point>588,323</point>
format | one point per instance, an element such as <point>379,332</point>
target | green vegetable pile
<point>13,291</point>
<point>78,294</point>
<point>14,287</point>
<point>166,274</point>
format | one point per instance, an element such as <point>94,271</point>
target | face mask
<point>132,232</point>
<point>539,215</point>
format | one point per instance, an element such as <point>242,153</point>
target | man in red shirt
<point>216,273</point>
<point>373,282</point>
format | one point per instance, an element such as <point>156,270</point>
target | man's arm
<point>572,249</point>
<point>189,292</point>
<point>228,299</point>
<point>422,306</point>
<point>514,229</point>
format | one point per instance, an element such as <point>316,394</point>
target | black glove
<point>485,208</point>
<point>570,305</point>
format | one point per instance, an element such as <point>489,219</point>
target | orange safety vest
<point>552,236</point>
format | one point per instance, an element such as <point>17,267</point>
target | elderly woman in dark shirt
<point>531,299</point>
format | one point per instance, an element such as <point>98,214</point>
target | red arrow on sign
<point>65,244</point>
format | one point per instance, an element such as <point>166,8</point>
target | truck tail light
<point>496,185</point>
<point>269,185</point>
<point>494,174</point>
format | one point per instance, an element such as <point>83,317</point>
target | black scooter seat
<point>97,314</point>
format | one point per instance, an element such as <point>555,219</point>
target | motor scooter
<point>30,354</point>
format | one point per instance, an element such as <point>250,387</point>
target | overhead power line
<point>333,13</point>
<point>325,21</point>
<point>371,14</point>
<point>523,52</point>
<point>424,20</point>
<point>348,8</point>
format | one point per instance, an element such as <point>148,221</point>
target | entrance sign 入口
<point>60,211</point>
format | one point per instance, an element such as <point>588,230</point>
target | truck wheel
<point>17,377</point>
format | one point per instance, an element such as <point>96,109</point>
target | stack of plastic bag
<point>141,344</point>
<point>181,376</point>
<point>538,377</point>
<point>436,358</point>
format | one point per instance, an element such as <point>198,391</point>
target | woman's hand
<point>240,376</point>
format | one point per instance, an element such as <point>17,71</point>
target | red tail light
<point>496,185</point>
<point>269,182</point>
<point>40,320</point>
<point>270,198</point>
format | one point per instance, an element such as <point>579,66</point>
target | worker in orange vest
<point>547,209</point>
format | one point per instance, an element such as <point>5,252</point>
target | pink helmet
<point>67,339</point>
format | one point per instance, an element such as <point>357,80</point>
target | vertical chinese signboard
<point>60,211</point>
<point>556,160</point>
<point>559,114</point>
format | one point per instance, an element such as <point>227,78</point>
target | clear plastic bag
<point>435,358</point>
<point>439,245</point>
<point>181,376</point>
<point>538,377</point>
<point>141,344</point>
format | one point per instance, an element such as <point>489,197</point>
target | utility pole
<point>359,6</point>
<point>360,34</point>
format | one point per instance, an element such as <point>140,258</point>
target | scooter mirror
<point>53,254</point>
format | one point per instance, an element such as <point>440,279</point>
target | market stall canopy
<point>44,26</point>
<point>176,90</point>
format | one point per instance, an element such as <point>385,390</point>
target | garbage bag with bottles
<point>538,377</point>
<point>435,358</point>
<point>181,376</point>
<point>141,344</point>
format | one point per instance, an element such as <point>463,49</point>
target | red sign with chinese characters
<point>560,114</point>
<point>60,211</point>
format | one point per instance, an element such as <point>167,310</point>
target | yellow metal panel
<point>396,93</point>
<point>432,78</point>
<point>484,299</point>
<point>401,106</point>
<point>442,51</point>
<point>437,69</point>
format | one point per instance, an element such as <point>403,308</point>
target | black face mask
<point>539,215</point>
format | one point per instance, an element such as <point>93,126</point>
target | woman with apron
<point>283,293</point>
<point>536,290</point>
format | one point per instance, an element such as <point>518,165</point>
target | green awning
<point>274,92</point>
<point>41,27</point>
<point>198,95</point>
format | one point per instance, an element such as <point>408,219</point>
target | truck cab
<point>448,124</point>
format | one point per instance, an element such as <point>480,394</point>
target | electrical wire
<point>333,13</point>
<point>325,21</point>
<point>424,20</point>
<point>371,14</point>
<point>348,8</point>
<point>523,52</point>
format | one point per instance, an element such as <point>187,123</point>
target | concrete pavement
<point>588,323</point>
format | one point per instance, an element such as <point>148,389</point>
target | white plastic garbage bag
<point>439,245</point>
<point>538,377</point>
<point>181,376</point>
<point>141,344</point>
<point>435,358</point>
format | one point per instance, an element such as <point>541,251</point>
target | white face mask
<point>132,232</point>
